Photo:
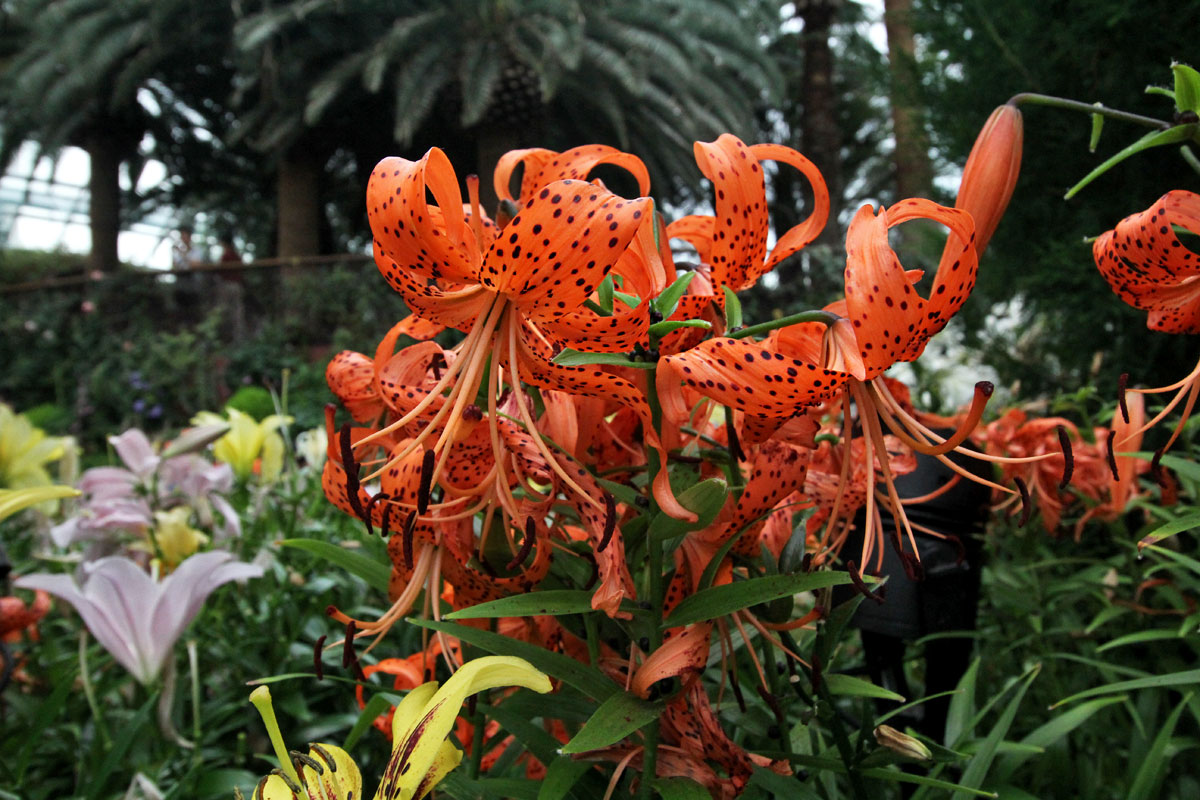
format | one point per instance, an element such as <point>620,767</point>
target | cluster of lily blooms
<point>589,369</point>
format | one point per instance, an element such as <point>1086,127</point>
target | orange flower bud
<point>991,172</point>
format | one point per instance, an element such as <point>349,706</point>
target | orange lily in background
<point>1149,268</point>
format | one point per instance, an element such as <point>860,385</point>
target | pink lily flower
<point>137,619</point>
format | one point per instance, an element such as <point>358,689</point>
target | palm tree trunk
<point>821,139</point>
<point>298,205</point>
<point>104,206</point>
<point>914,171</point>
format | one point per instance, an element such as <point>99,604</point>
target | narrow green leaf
<point>1179,133</point>
<point>534,737</point>
<point>580,358</point>
<point>668,301</point>
<point>922,780</point>
<point>553,602</point>
<point>962,708</point>
<point>1186,678</point>
<point>120,747</point>
<point>733,310</point>
<point>1097,127</point>
<point>705,499</point>
<point>617,717</point>
<point>1149,777</point>
<point>591,682</point>
<point>373,573</point>
<point>1051,732</point>
<point>604,294</point>
<point>661,329</point>
<point>851,686</point>
<point>781,785</point>
<point>562,774</point>
<point>977,768</point>
<point>679,789</point>
<point>717,601</point>
<point>1187,87</point>
<point>625,494</point>
<point>1184,523</point>
<point>1138,637</point>
<point>378,704</point>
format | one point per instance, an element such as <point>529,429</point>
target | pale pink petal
<point>134,449</point>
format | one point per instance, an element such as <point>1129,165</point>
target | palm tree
<point>100,75</point>
<point>482,76</point>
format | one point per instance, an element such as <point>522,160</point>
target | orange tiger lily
<point>1149,268</point>
<point>519,296</point>
<point>732,243</point>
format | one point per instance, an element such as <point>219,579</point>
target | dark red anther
<point>349,657</point>
<point>526,545</point>
<point>806,563</point>
<point>912,567</point>
<point>351,468</point>
<point>407,541</point>
<point>816,673</point>
<point>985,388</point>
<point>1068,457</point>
<point>1026,502</point>
<point>385,522</point>
<point>348,643</point>
<point>960,550</point>
<point>737,693</point>
<point>610,522</point>
<point>1112,457</point>
<point>773,702</point>
<point>376,498</point>
<point>436,364</point>
<point>1156,468</point>
<point>735,446</point>
<point>856,579</point>
<point>426,481</point>
<point>318,666</point>
<point>472,413</point>
<point>1122,382</point>
<point>331,610</point>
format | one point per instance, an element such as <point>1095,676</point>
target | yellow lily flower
<point>25,450</point>
<point>13,500</point>
<point>248,441</point>
<point>421,752</point>
<point>176,538</point>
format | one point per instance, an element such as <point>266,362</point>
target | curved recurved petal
<point>584,329</point>
<point>566,239</point>
<point>432,242</point>
<point>351,376</point>
<point>546,166</point>
<point>802,233</point>
<point>1149,268</point>
<point>739,232</point>
<point>892,321</point>
<point>746,376</point>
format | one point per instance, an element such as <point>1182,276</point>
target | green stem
<point>1033,98</point>
<point>826,318</point>
<point>593,638</point>
<point>843,745</point>
<point>654,568</point>
<point>194,670</point>
<point>89,691</point>
<point>733,448</point>
<point>478,722</point>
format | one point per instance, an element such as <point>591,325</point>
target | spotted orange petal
<point>891,320</point>
<point>1150,269</point>
<point>546,166</point>
<point>566,239</point>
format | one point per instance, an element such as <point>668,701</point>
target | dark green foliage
<point>977,56</point>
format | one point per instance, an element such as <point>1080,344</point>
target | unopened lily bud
<point>991,172</point>
<point>901,743</point>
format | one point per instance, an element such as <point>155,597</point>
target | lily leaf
<point>666,302</point>
<point>857,687</point>
<point>661,329</point>
<point>733,310</point>
<point>617,717</point>
<point>717,601</point>
<point>705,499</point>
<point>373,573</point>
<point>1187,88</point>
<point>580,358</point>
<point>554,602</point>
<point>1175,135</point>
